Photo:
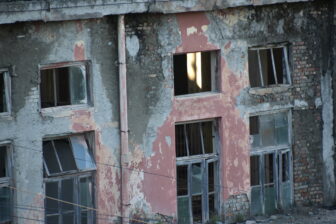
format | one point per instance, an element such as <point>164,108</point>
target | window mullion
<point>55,86</point>
<point>189,193</point>
<point>205,189</point>
<point>260,69</point>
<point>186,139</point>
<point>287,65</point>
<point>57,158</point>
<point>60,216</point>
<point>273,65</point>
<point>201,134</point>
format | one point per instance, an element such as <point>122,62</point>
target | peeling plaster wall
<point>27,45</point>
<point>153,109</point>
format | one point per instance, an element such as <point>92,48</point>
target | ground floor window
<point>270,163</point>
<point>197,172</point>
<point>69,170</point>
<point>5,183</point>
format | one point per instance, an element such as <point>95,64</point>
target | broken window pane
<point>268,161</point>
<point>3,159</point>
<point>5,204</point>
<point>182,180</point>
<point>194,138</point>
<point>197,208</point>
<point>192,73</point>
<point>180,139</point>
<point>254,170</point>
<point>63,86</point>
<point>207,136</point>
<point>254,131</point>
<point>3,100</point>
<point>183,210</point>
<point>267,66</point>
<point>81,153</point>
<point>65,154</point>
<point>50,157</point>
<point>196,186</point>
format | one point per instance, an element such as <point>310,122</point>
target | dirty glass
<point>81,153</point>
<point>207,136</point>
<point>254,131</point>
<point>65,155</point>
<point>281,128</point>
<point>182,180</point>
<point>86,198</point>
<point>50,157</point>
<point>197,208</point>
<point>52,191</point>
<point>180,139</point>
<point>211,177</point>
<point>3,101</point>
<point>270,202</point>
<point>254,72</point>
<point>267,130</point>
<point>67,194</point>
<point>268,167</point>
<point>285,166</point>
<point>194,138</point>
<point>183,210</point>
<point>47,88</point>
<point>77,84</point>
<point>3,158</point>
<point>196,176</point>
<point>5,204</point>
<point>254,170</point>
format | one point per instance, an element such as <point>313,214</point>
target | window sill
<point>6,116</point>
<point>196,95</point>
<point>273,89</point>
<point>64,111</point>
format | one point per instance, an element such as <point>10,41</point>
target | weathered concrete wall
<point>27,10</point>
<point>153,109</point>
<point>27,45</point>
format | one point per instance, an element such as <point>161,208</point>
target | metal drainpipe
<point>123,119</point>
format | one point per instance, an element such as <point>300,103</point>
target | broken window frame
<point>277,151</point>
<point>75,176</point>
<point>203,159</point>
<point>5,72</point>
<point>270,47</point>
<point>7,181</point>
<point>214,70</point>
<point>85,67</point>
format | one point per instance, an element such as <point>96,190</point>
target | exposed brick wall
<point>236,207</point>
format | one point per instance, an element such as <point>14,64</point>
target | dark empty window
<point>5,190</point>
<point>268,66</point>
<point>63,86</point>
<point>4,91</point>
<point>71,155</point>
<point>196,171</point>
<point>195,72</point>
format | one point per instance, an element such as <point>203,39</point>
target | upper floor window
<point>4,91</point>
<point>268,66</point>
<point>69,169</point>
<point>5,183</point>
<point>195,72</point>
<point>64,84</point>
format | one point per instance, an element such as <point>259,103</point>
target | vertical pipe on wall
<point>123,118</point>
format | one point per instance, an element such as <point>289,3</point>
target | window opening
<point>268,66</point>
<point>197,172</point>
<point>4,91</point>
<point>195,72</point>
<point>270,168</point>
<point>63,86</point>
<point>5,183</point>
<point>72,156</point>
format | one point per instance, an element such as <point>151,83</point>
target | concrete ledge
<point>55,10</point>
